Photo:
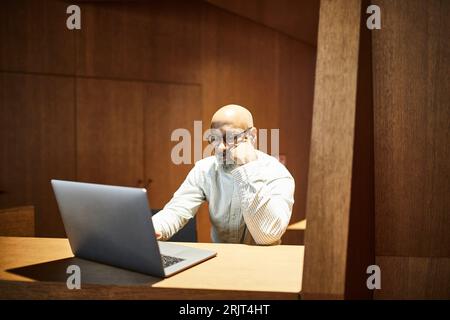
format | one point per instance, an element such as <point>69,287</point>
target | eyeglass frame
<point>235,137</point>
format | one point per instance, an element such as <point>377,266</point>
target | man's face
<point>224,138</point>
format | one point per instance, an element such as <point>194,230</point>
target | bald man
<point>250,194</point>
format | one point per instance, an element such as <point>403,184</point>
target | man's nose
<point>221,147</point>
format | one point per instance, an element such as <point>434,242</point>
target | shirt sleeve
<point>266,204</point>
<point>182,207</point>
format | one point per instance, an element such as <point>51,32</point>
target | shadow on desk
<point>91,273</point>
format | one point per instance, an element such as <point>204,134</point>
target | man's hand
<point>158,235</point>
<point>243,153</point>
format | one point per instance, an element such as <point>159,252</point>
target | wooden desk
<point>300,225</point>
<point>35,268</point>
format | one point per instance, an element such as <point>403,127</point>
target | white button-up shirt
<point>251,203</point>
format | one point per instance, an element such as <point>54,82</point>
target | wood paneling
<point>110,119</point>
<point>34,37</point>
<point>298,19</point>
<point>154,40</point>
<point>168,107</point>
<point>412,85</point>
<point>296,93</point>
<point>413,278</point>
<point>239,66</point>
<point>17,222</point>
<point>295,233</point>
<point>330,167</point>
<point>411,94</point>
<point>124,135</point>
<point>37,143</point>
<point>361,229</point>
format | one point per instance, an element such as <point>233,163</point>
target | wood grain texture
<point>168,108</point>
<point>153,40</point>
<point>34,37</point>
<point>110,119</point>
<point>17,222</point>
<point>36,268</point>
<point>412,85</point>
<point>413,278</point>
<point>37,135</point>
<point>239,67</point>
<point>296,69</point>
<point>298,19</point>
<point>330,166</point>
<point>361,229</point>
<point>295,233</point>
<point>293,237</point>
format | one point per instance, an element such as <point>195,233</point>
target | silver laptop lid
<point>109,224</point>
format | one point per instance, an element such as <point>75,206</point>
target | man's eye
<point>213,139</point>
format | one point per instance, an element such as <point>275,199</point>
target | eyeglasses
<point>228,139</point>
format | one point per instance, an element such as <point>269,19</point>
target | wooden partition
<point>411,59</point>
<point>379,175</point>
<point>339,235</point>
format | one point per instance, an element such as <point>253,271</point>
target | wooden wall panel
<point>110,119</point>
<point>413,278</point>
<point>361,228</point>
<point>299,19</point>
<point>411,92</point>
<point>296,93</point>
<point>412,85</point>
<point>17,222</point>
<point>37,135</point>
<point>239,66</point>
<point>34,37</point>
<point>171,107</point>
<point>330,167</point>
<point>168,107</point>
<point>155,40</point>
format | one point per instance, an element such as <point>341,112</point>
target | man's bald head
<point>232,115</point>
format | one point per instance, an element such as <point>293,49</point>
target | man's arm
<point>182,207</point>
<point>266,205</point>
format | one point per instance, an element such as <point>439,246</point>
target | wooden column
<point>339,236</point>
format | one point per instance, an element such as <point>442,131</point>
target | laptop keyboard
<point>168,260</point>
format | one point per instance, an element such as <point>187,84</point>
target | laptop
<point>113,225</point>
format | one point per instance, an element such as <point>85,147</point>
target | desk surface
<point>36,268</point>
<point>300,225</point>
